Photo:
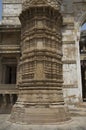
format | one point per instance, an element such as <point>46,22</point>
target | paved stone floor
<point>77,123</point>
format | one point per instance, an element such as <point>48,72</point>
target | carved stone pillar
<point>0,70</point>
<point>40,90</point>
<point>18,70</point>
<point>11,99</point>
<point>4,100</point>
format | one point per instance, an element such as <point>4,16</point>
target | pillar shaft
<point>11,99</point>
<point>0,70</point>
<point>4,99</point>
<point>40,90</point>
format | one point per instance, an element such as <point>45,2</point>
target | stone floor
<point>77,123</point>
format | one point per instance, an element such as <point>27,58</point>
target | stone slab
<point>77,123</point>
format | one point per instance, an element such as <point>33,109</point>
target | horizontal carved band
<point>70,86</point>
<point>69,61</point>
<point>68,42</point>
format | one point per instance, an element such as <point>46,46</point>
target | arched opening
<point>82,47</point>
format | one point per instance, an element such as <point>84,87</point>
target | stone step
<point>82,105</point>
<point>79,110</point>
<point>72,114</point>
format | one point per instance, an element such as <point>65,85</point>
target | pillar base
<point>32,115</point>
<point>77,123</point>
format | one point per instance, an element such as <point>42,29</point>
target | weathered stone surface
<point>74,15</point>
<point>40,99</point>
<point>77,123</point>
<point>11,11</point>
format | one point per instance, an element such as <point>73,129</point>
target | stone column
<point>4,74</point>
<point>1,100</point>
<point>40,98</point>
<point>11,99</point>
<point>4,100</point>
<point>18,70</point>
<point>0,70</point>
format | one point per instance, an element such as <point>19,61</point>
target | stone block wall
<point>11,11</point>
<point>70,76</point>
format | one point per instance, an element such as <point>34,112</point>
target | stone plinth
<point>77,123</point>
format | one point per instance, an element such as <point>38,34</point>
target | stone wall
<point>11,11</point>
<point>73,18</point>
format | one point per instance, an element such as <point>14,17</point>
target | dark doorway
<point>10,76</point>
<point>1,100</point>
<point>14,98</point>
<point>82,45</point>
<point>83,73</point>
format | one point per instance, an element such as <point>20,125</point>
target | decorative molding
<point>12,1</point>
<point>10,28</point>
<point>70,86</point>
<point>31,3</point>
<point>69,42</point>
<point>9,49</point>
<point>69,61</point>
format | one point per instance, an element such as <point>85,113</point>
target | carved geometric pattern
<point>55,3</point>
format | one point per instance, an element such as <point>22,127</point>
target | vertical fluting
<point>40,86</point>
